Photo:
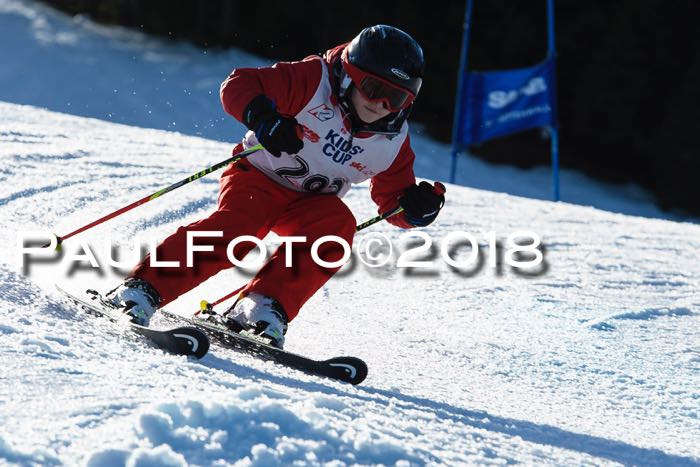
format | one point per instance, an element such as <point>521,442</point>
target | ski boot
<point>136,298</point>
<point>259,315</point>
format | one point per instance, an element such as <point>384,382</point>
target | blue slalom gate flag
<point>498,103</point>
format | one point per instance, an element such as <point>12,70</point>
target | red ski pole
<point>205,306</point>
<point>159,193</point>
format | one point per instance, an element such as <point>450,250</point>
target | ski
<point>348,369</point>
<point>184,340</point>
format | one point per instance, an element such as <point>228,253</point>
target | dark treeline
<point>628,71</point>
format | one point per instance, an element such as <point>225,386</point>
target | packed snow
<point>592,357</point>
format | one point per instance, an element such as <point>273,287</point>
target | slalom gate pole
<point>158,194</point>
<point>205,306</point>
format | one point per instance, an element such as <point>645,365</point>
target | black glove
<point>277,133</point>
<point>422,203</point>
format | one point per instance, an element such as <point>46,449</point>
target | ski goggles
<point>375,88</point>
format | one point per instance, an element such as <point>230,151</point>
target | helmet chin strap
<point>344,92</point>
<point>345,85</point>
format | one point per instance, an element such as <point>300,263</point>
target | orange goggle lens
<point>376,89</point>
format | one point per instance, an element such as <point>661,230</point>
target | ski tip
<point>349,369</point>
<point>195,342</point>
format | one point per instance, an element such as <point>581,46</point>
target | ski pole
<point>379,218</point>
<point>438,188</point>
<point>207,307</point>
<point>159,193</point>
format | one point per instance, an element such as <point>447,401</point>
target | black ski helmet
<point>390,54</point>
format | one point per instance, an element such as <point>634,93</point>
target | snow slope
<point>71,65</point>
<point>593,359</point>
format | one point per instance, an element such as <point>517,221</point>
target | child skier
<point>325,123</point>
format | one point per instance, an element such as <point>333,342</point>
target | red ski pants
<point>250,203</point>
